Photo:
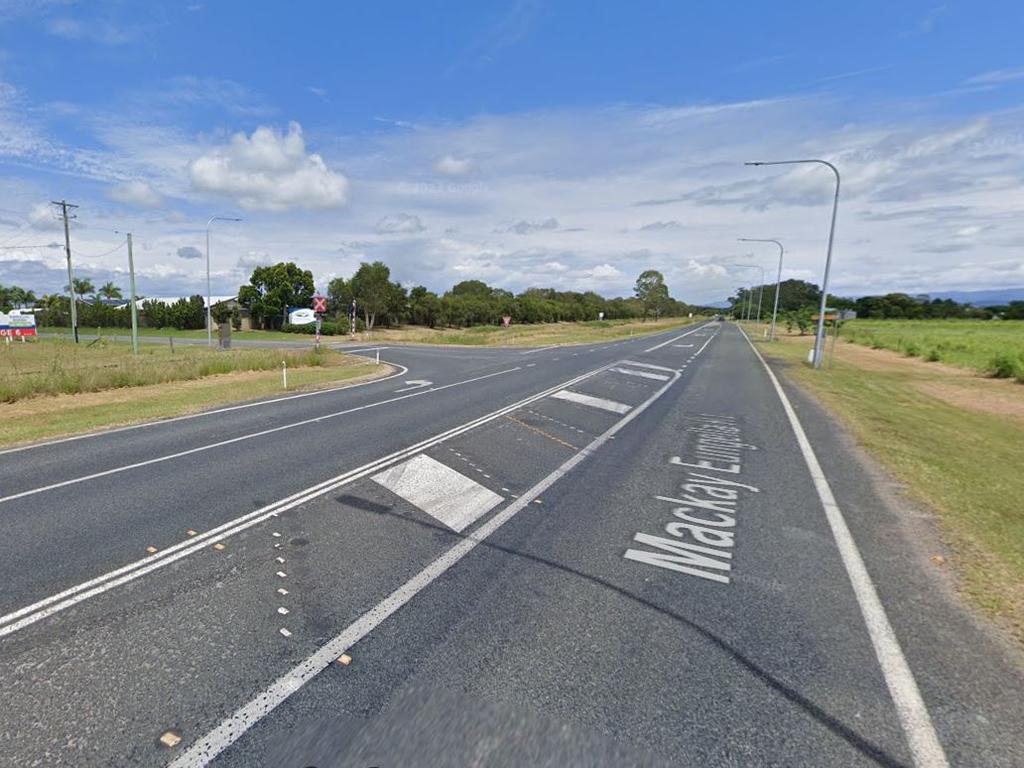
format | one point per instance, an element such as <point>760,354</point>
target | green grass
<point>965,464</point>
<point>57,366</point>
<point>480,335</point>
<point>160,385</point>
<point>992,347</point>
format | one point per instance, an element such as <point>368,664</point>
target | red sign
<point>506,320</point>
<point>16,332</point>
<point>319,304</point>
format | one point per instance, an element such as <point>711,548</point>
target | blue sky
<point>524,143</point>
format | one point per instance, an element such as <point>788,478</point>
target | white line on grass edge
<point>924,744</point>
<point>203,751</point>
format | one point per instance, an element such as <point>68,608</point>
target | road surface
<point>629,553</point>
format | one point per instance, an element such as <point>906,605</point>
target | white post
<point>284,374</point>
<point>378,357</point>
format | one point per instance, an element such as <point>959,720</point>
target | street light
<point>778,278</point>
<point>819,339</point>
<point>760,292</point>
<point>209,316</point>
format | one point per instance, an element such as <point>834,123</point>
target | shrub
<point>910,349</point>
<point>933,355</point>
<point>1006,366</point>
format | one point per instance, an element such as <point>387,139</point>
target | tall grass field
<point>992,347</point>
<point>53,367</point>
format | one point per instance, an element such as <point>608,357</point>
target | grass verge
<point>538,334</point>
<point>991,347</point>
<point>51,416</point>
<point>960,454</point>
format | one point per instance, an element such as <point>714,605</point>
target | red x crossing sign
<point>319,303</point>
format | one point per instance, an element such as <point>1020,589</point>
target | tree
<point>372,290</point>
<point>424,307</point>
<point>652,291</point>
<point>271,290</point>
<point>339,296</point>
<point>110,291</point>
<point>83,287</point>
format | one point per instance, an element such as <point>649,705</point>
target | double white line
<point>30,614</point>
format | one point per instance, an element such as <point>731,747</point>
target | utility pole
<point>135,309</point>
<point>64,205</point>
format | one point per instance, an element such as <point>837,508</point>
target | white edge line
<point>158,422</point>
<point>917,725</point>
<point>48,606</point>
<point>202,752</point>
<point>240,438</point>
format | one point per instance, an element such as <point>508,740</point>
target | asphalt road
<point>617,554</point>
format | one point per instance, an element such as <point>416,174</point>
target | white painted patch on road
<point>924,743</point>
<point>648,365</point>
<point>439,490</point>
<point>593,402</point>
<point>642,374</point>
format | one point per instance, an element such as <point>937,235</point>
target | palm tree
<point>110,291</point>
<point>83,287</point>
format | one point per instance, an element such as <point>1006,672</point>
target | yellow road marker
<point>170,739</point>
<point>151,550</point>
<point>190,532</point>
<point>344,659</point>
<point>218,546</point>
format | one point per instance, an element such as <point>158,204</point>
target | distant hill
<point>983,298</point>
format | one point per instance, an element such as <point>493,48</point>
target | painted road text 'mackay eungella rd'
<point>703,533</point>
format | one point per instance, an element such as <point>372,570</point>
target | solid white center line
<point>590,400</point>
<point>648,365</point>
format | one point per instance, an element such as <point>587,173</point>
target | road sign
<point>17,325</point>
<point>506,320</point>
<point>302,316</point>
<point>319,304</point>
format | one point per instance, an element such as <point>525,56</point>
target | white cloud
<point>997,76</point>
<point>269,171</point>
<point>137,193</point>
<point>400,223</point>
<point>524,227</point>
<point>661,225</point>
<point>189,252</point>
<point>452,166</point>
<point>44,217</point>
<point>100,31</point>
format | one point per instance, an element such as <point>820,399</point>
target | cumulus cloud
<point>526,227</point>
<point>189,252</point>
<point>400,223</point>
<point>254,259</point>
<point>44,218</point>
<point>452,166</point>
<point>269,171</point>
<point>138,194</point>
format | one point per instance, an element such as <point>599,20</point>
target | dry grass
<point>540,334</point>
<point>43,416</point>
<point>51,367</point>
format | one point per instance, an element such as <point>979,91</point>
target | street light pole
<point>750,297</point>
<point>209,315</point>
<point>778,279</point>
<point>819,339</point>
